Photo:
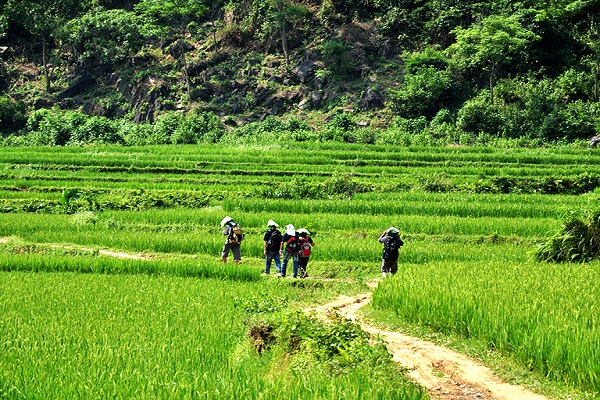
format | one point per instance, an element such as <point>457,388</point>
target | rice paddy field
<point>111,283</point>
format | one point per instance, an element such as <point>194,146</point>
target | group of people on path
<point>296,245</point>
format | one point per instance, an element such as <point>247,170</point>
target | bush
<point>198,127</point>
<point>336,58</point>
<point>479,115</point>
<point>576,120</point>
<point>13,115</point>
<point>53,127</point>
<point>423,93</point>
<point>100,130</point>
<point>342,121</point>
<point>577,241</point>
<point>103,36</point>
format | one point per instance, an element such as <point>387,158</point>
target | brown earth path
<point>444,373</point>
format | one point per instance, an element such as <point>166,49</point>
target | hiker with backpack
<point>292,245</point>
<point>306,244</point>
<point>391,243</point>
<point>272,248</point>
<point>234,234</point>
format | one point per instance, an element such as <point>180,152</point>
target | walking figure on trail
<point>391,243</point>
<point>306,244</point>
<point>234,235</point>
<point>292,245</point>
<point>272,249</point>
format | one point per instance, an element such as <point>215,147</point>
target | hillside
<point>452,72</point>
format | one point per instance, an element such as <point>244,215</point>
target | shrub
<point>99,130</point>
<point>578,240</point>
<point>423,92</point>
<point>106,35</point>
<point>479,115</point>
<point>336,58</point>
<point>13,115</point>
<point>576,120</point>
<point>198,127</point>
<point>343,121</point>
<point>53,127</point>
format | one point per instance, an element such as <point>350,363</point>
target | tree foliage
<point>488,45</point>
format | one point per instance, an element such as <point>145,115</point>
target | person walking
<point>272,249</point>
<point>234,235</point>
<point>291,242</point>
<point>306,244</point>
<point>391,243</point>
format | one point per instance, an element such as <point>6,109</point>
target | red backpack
<point>305,248</point>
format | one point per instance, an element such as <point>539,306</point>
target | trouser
<point>302,263</point>
<point>286,258</point>
<point>272,255</point>
<point>390,266</point>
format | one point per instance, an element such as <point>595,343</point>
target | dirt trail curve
<point>446,374</point>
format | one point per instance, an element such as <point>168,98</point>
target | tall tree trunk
<point>596,77</point>
<point>492,72</point>
<point>185,69</point>
<point>45,64</point>
<point>285,46</point>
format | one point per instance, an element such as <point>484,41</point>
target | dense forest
<point>370,71</point>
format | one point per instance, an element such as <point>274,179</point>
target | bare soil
<point>444,373</point>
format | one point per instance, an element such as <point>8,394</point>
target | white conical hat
<point>303,230</point>
<point>225,220</point>
<point>393,230</point>
<point>272,223</point>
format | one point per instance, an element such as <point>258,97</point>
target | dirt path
<point>446,374</point>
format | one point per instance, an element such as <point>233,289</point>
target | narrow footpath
<point>444,373</point>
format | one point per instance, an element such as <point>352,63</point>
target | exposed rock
<point>316,99</point>
<point>95,109</point>
<point>304,104</point>
<point>370,100</point>
<point>196,68</point>
<point>42,103</point>
<point>276,106</point>
<point>304,70</point>
<point>594,141</point>
<point>179,48</point>
<point>276,79</point>
<point>201,93</point>
<point>78,87</point>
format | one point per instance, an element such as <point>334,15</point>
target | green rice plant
<point>113,336</point>
<point>544,315</point>
<point>28,262</point>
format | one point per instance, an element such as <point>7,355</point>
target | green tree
<point>42,18</point>
<point>586,15</point>
<point>487,45</point>
<point>172,12</point>
<point>106,35</point>
<point>282,14</point>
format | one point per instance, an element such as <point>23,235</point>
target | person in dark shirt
<point>272,249</point>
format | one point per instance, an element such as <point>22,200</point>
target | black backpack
<point>235,234</point>
<point>293,244</point>
<point>274,240</point>
<point>390,248</point>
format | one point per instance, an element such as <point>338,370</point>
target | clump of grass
<point>577,241</point>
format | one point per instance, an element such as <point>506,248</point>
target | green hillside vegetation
<point>388,72</point>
